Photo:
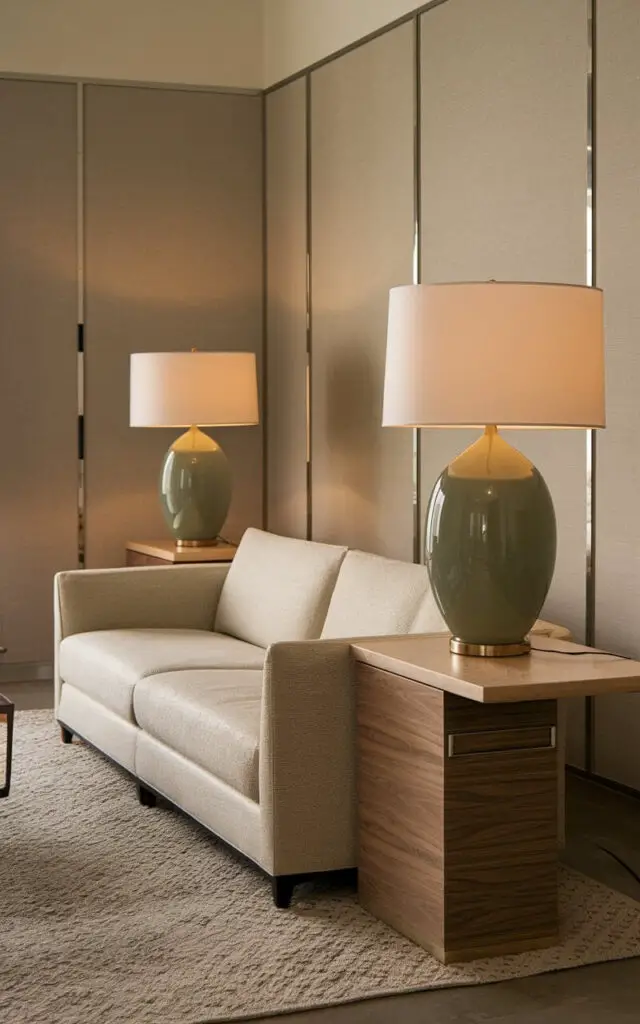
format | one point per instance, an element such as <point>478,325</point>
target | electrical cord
<point>623,657</point>
<point>579,654</point>
<point>619,860</point>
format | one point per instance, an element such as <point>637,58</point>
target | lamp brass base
<point>457,646</point>
<point>197,543</point>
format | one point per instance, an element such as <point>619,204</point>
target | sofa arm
<point>164,597</point>
<point>307,757</point>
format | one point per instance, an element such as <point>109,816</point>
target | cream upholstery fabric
<point>307,757</point>
<point>172,597</point>
<point>96,724</point>
<point>428,618</point>
<point>108,663</point>
<point>263,759</point>
<point>212,717</point>
<point>374,596</point>
<point>277,588</point>
<point>210,801</point>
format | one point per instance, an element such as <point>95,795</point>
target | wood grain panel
<point>504,123</point>
<point>501,833</point>
<point>38,317</point>
<point>362,244</point>
<point>135,558</point>
<point>173,196</point>
<point>400,804</point>
<point>617,719</point>
<point>458,853</point>
<point>286,355</point>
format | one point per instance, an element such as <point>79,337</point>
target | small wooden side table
<point>165,552</point>
<point>7,711</point>
<point>458,788</point>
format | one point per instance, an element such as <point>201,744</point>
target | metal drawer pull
<point>496,741</point>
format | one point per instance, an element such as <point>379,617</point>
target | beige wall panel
<point>286,355</point>
<point>362,239</point>
<point>617,719</point>
<point>504,124</point>
<point>298,33</point>
<point>173,197</point>
<point>38,369</point>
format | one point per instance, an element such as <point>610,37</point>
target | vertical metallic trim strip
<point>81,335</point>
<point>309,305</point>
<point>417,270</point>
<point>80,196</point>
<point>265,331</point>
<point>591,453</point>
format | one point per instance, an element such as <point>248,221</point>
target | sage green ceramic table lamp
<point>194,389</point>
<point>493,354</point>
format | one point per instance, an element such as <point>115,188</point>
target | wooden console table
<point>166,552</point>
<point>458,788</point>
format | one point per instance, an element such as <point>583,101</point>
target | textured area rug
<point>113,913</point>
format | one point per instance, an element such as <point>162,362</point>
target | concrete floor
<point>603,829</point>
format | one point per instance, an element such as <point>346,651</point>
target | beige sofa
<point>228,690</point>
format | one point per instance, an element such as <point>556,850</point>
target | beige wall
<point>286,399</point>
<point>504,142</point>
<point>298,33</point>
<point>173,259</point>
<point>240,44</point>
<point>617,719</point>
<point>362,229</point>
<point>503,194</point>
<point>172,232</point>
<point>38,404</point>
<point>196,42</point>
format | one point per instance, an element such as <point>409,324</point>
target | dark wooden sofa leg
<point>282,889</point>
<point>145,796</point>
<point>66,735</point>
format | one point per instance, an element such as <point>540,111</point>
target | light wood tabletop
<point>554,669</point>
<point>168,551</point>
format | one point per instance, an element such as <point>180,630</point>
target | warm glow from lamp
<point>194,389</point>
<point>512,354</point>
<point>178,389</point>
<point>493,354</point>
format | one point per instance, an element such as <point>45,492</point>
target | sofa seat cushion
<point>211,717</point>
<point>375,596</point>
<point>107,664</point>
<point>277,588</point>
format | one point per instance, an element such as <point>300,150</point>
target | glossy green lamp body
<point>195,489</point>
<point>490,547</point>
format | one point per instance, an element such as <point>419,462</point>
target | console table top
<point>548,673</point>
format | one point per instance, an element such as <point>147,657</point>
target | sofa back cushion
<point>277,588</point>
<point>428,617</point>
<point>375,596</point>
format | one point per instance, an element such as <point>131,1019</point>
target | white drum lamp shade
<point>493,354</point>
<point>178,389</point>
<point>511,354</point>
<point>194,389</point>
